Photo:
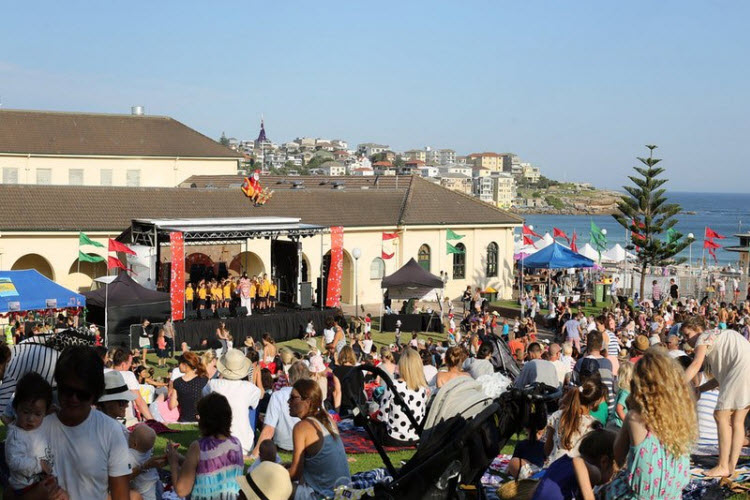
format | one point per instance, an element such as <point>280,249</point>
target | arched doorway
<point>34,261</point>
<point>347,276</point>
<point>305,268</point>
<point>199,266</point>
<point>82,274</point>
<point>248,262</point>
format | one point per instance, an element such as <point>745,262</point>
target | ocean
<point>725,213</point>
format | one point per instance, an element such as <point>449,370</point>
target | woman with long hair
<point>352,381</point>
<point>653,445</point>
<point>186,390</point>
<point>395,429</point>
<point>269,348</point>
<point>209,360</point>
<point>454,360</point>
<point>567,426</point>
<point>387,363</point>
<point>224,336</point>
<point>319,461</point>
<point>214,462</point>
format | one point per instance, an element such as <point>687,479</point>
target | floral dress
<point>651,472</point>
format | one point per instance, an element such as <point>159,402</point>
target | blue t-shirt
<point>533,452</point>
<point>559,483</point>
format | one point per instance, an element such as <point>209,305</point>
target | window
<point>75,177</point>
<point>423,257</point>
<point>492,260</point>
<point>377,269</point>
<point>44,176</point>
<point>105,177</point>
<point>10,175</point>
<point>459,262</point>
<point>133,178</point>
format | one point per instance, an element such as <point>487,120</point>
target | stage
<point>412,323</point>
<point>286,324</point>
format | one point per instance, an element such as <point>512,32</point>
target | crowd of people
<point>258,293</point>
<point>635,391</point>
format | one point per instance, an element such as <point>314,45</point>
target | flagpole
<point>703,251</point>
<point>106,312</point>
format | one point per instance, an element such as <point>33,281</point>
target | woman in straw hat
<point>233,368</point>
<point>268,479</point>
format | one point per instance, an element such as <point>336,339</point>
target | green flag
<point>85,240</point>
<point>452,249</point>
<point>89,257</point>
<point>671,235</point>
<point>453,236</point>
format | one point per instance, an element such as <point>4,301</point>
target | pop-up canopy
<point>411,281</point>
<point>556,256</point>
<point>28,290</point>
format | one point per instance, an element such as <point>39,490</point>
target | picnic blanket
<point>356,441</point>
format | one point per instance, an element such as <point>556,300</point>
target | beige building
<point>84,149</point>
<point>456,182</point>
<point>41,225</point>
<point>416,154</point>
<point>492,161</point>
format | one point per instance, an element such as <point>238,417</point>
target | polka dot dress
<point>396,420</point>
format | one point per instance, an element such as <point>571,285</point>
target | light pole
<point>356,253</point>
<point>691,238</point>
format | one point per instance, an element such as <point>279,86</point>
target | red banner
<point>177,279</point>
<point>116,246</point>
<point>336,271</point>
<point>114,262</point>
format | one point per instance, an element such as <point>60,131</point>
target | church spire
<point>262,136</point>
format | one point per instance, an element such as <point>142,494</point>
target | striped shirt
<point>29,356</point>
<point>613,348</point>
<point>707,432</point>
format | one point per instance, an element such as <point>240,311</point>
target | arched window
<point>423,257</point>
<point>492,260</point>
<point>459,262</point>
<point>377,269</point>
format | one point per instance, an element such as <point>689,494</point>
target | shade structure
<point>28,290</point>
<point>589,252</point>
<point>617,254</point>
<point>556,256</point>
<point>411,281</point>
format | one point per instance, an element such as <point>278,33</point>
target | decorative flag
<point>639,236</point>
<point>637,225</point>
<point>116,246</point>
<point>389,236</point>
<point>573,245</point>
<point>712,253</point>
<point>114,262</point>
<point>85,240</point>
<point>386,256</point>
<point>450,235</point>
<point>177,275</point>
<point>710,233</point>
<point>336,271</point>
<point>89,257</point>
<point>671,235</point>
<point>452,249</point>
<point>386,237</point>
<point>710,244</point>
<point>529,232</point>
<point>528,241</point>
<point>598,239</point>
<point>559,233</point>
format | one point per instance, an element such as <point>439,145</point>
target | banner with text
<point>336,271</point>
<point>177,279</point>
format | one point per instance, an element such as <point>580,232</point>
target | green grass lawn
<point>588,310</point>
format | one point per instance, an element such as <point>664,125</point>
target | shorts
<point>144,343</point>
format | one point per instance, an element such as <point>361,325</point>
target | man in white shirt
<point>673,347</point>
<point>122,360</point>
<point>537,370</point>
<point>614,290</point>
<point>562,367</point>
<point>278,424</point>
<point>87,449</point>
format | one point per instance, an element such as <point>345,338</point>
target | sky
<point>577,88</point>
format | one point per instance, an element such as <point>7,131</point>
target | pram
<point>454,451</point>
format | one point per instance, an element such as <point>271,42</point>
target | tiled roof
<point>406,200</point>
<point>382,164</point>
<point>88,134</point>
<point>477,155</point>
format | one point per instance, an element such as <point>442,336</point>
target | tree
<point>223,140</point>
<point>647,215</point>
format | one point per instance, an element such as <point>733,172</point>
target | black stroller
<point>454,453</point>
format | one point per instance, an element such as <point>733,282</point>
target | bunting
<point>116,246</point>
<point>450,235</point>
<point>83,240</point>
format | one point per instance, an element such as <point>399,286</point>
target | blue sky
<point>575,87</point>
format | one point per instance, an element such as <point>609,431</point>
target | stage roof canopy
<point>218,230</point>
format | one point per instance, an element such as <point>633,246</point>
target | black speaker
<point>239,311</point>
<point>205,313</point>
<point>305,295</point>
<point>191,314</point>
<point>222,312</point>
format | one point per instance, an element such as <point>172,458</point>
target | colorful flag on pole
<point>177,275</point>
<point>336,270</point>
<point>573,245</point>
<point>559,233</point>
<point>389,236</point>
<point>529,232</point>
<point>450,235</point>
<point>386,256</point>
<point>83,239</point>
<point>710,244</point>
<point>710,233</point>
<point>671,235</point>
<point>598,239</point>
<point>116,246</point>
<point>114,262</point>
<point>528,241</point>
<point>452,249</point>
<point>89,257</point>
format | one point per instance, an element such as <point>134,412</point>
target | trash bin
<point>599,293</point>
<point>607,287</point>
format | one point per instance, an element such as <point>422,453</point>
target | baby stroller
<point>461,434</point>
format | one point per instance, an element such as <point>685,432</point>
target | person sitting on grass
<point>567,426</point>
<point>454,360</point>
<point>214,462</point>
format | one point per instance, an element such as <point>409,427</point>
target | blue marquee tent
<point>556,256</point>
<point>28,291</point>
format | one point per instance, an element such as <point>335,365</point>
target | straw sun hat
<point>234,365</point>
<point>270,479</point>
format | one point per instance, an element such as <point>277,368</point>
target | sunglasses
<point>66,391</point>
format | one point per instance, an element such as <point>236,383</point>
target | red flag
<point>639,236</point>
<point>713,254</point>
<point>116,246</point>
<point>710,233</point>
<point>639,225</point>
<point>573,245</point>
<point>387,256</point>
<point>528,241</point>
<point>389,236</point>
<point>529,232</point>
<point>559,233</point>
<point>710,244</point>
<point>114,262</point>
